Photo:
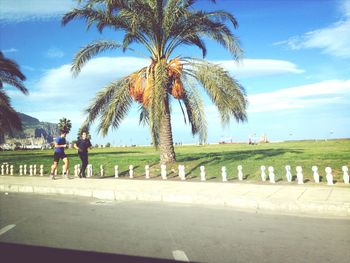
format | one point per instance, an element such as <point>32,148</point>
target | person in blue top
<point>82,145</point>
<point>60,144</point>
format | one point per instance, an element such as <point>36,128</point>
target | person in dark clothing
<point>60,144</point>
<point>82,145</point>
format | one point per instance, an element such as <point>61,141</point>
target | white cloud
<point>58,92</point>
<point>259,67</point>
<point>10,50</point>
<point>317,94</point>
<point>59,82</point>
<point>333,40</point>
<point>54,53</point>
<point>21,10</point>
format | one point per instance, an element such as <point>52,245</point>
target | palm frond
<point>195,110</point>
<point>101,100</point>
<point>10,80</point>
<point>10,67</point>
<point>144,115</point>
<point>117,110</point>
<point>111,105</point>
<point>86,53</point>
<point>226,93</point>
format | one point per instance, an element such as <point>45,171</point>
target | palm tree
<point>161,26</point>
<point>9,74</point>
<point>64,125</point>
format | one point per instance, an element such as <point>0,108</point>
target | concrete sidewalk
<point>325,201</point>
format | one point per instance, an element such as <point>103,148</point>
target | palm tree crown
<point>161,26</point>
<point>64,125</point>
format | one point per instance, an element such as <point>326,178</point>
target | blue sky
<point>295,69</point>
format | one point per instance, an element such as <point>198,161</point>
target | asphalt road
<point>170,231</point>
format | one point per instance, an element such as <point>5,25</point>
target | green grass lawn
<point>334,153</point>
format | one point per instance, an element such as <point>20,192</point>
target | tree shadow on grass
<point>106,153</point>
<point>216,158</point>
<point>211,178</point>
<point>237,155</point>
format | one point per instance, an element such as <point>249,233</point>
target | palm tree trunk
<point>167,153</point>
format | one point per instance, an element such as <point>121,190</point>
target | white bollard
<point>41,170</point>
<point>89,170</point>
<point>79,170</point>
<point>329,175</point>
<point>11,169</point>
<point>300,176</point>
<point>34,169</point>
<point>263,174</point>
<point>345,174</point>
<point>102,171</point>
<point>202,168</point>
<point>240,172</point>
<point>7,169</point>
<point>116,173</point>
<point>30,170</point>
<point>25,170</point>
<point>163,172</point>
<point>76,170</point>
<point>271,174</point>
<point>147,171</point>
<point>315,174</point>
<point>223,174</point>
<point>2,169</point>
<point>288,174</point>
<point>131,171</point>
<point>182,173</point>
<point>21,170</point>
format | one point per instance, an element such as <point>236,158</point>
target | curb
<point>311,208</point>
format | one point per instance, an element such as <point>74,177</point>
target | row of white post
<point>7,169</point>
<point>30,170</point>
<point>299,174</point>
<point>271,174</point>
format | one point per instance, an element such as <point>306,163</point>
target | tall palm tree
<point>161,26</point>
<point>9,74</point>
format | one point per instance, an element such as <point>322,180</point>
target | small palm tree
<point>65,125</point>
<point>9,74</point>
<point>161,26</point>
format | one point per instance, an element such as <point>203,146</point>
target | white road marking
<point>179,255</point>
<point>6,228</point>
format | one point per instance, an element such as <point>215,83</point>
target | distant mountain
<point>32,127</point>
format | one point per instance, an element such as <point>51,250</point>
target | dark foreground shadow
<point>28,253</point>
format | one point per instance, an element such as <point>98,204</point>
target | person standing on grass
<point>82,145</point>
<point>60,144</point>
